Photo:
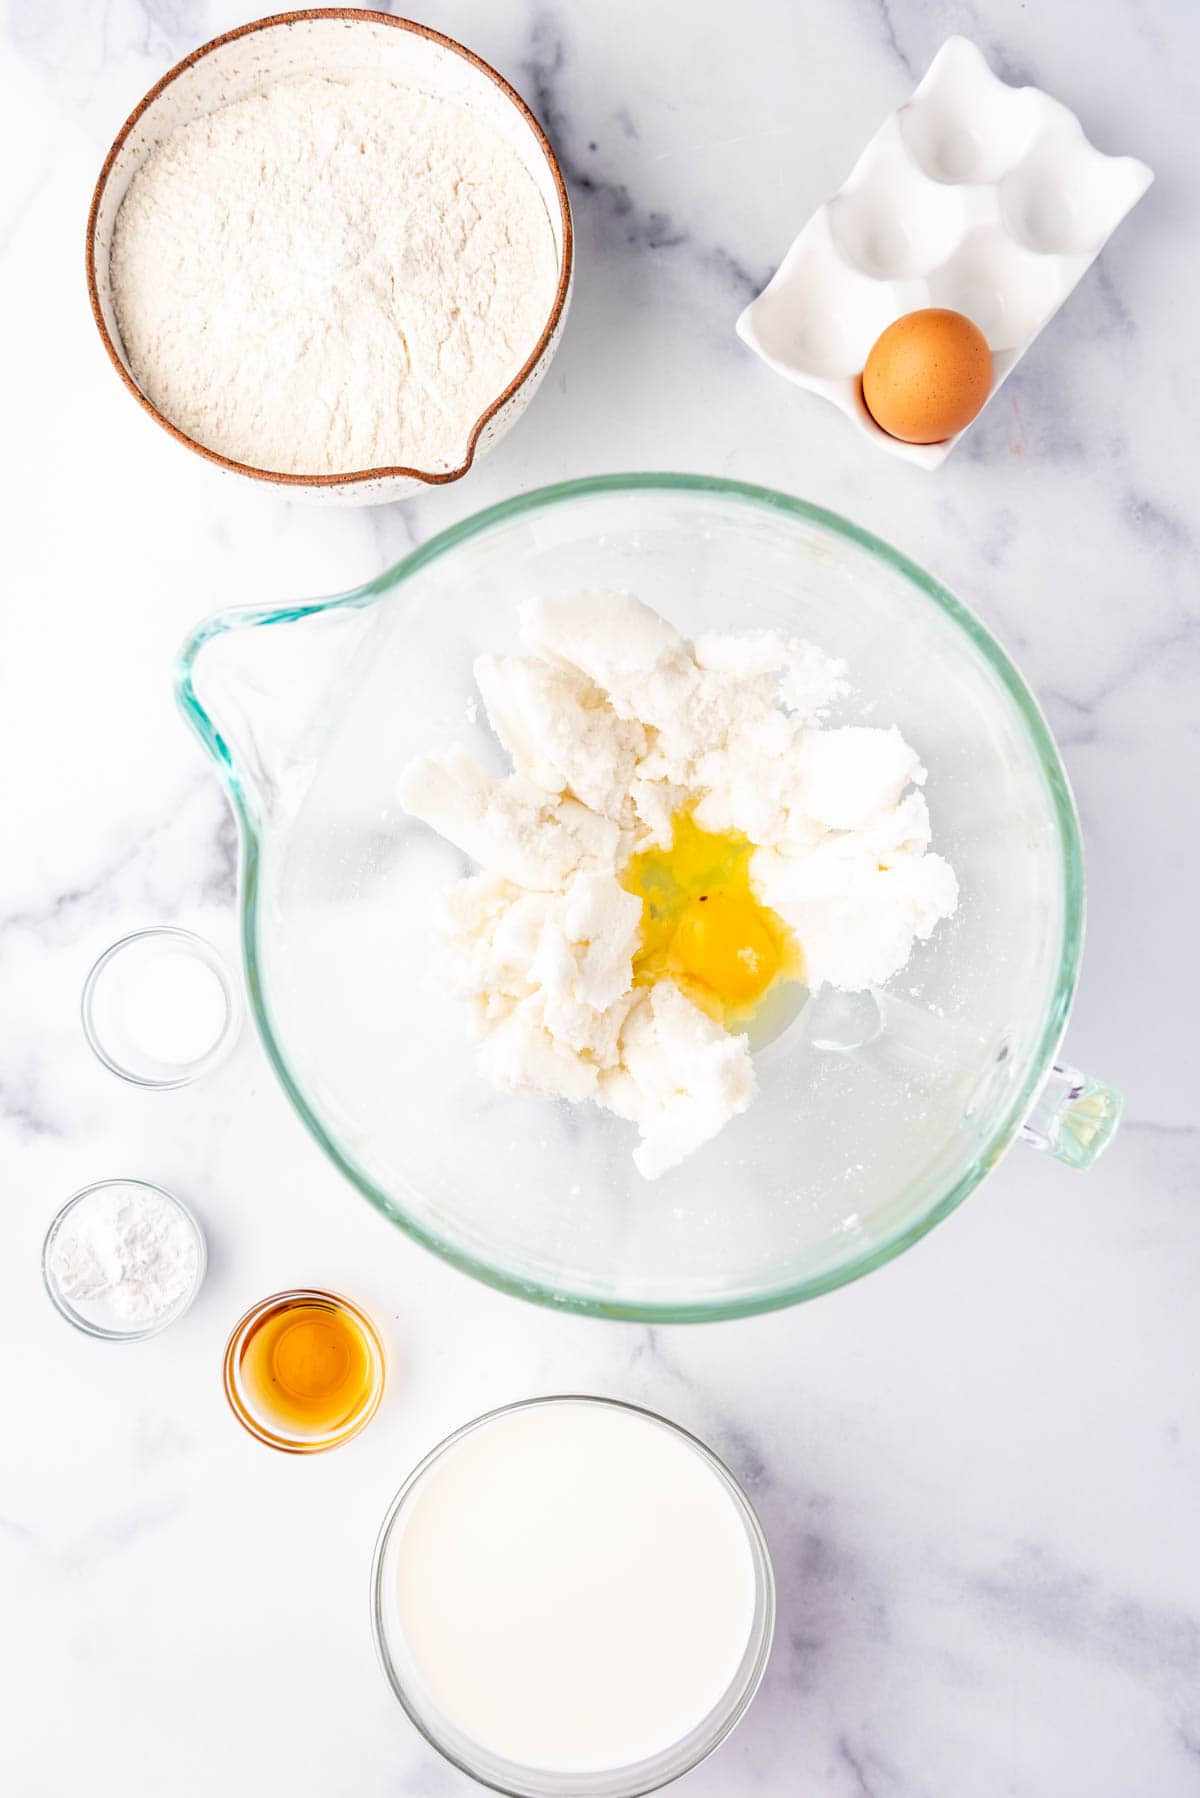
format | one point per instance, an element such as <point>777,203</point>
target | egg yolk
<point>722,941</point>
<point>704,927</point>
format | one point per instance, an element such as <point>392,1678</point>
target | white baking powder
<point>124,1256</point>
<point>332,276</point>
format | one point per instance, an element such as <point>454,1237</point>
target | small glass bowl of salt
<point>123,1259</point>
<point>160,1007</point>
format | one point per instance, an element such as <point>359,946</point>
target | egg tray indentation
<point>977,196</point>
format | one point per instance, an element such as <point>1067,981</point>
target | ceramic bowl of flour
<point>332,253</point>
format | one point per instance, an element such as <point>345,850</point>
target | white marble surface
<point>980,1468</point>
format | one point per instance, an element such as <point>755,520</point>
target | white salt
<point>156,1004</point>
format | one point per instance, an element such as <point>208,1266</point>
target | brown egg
<point>927,375</point>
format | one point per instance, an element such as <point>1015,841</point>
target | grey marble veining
<point>979,1470</point>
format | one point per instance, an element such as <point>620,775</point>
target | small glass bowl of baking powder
<point>123,1259</point>
<point>160,1007</point>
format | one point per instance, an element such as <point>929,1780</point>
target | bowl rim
<point>349,14</point>
<point>702,1310</point>
<point>668,1764</point>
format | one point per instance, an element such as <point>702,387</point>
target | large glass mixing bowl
<point>875,1116</point>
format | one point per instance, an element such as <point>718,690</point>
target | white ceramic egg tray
<point>975,195</point>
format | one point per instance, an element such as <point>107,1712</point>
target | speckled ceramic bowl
<point>332,41</point>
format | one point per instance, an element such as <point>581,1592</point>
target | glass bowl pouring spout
<point>860,1140</point>
<point>257,695</point>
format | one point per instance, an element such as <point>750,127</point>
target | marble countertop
<point>979,1469</point>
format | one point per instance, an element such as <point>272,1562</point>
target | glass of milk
<point>573,1596</point>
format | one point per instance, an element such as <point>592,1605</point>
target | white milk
<point>574,1587</point>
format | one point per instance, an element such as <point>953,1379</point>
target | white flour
<point>332,276</point>
<point>124,1256</point>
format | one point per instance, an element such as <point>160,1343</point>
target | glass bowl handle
<point>1073,1118</point>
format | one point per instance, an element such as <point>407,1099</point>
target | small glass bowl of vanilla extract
<point>304,1371</point>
